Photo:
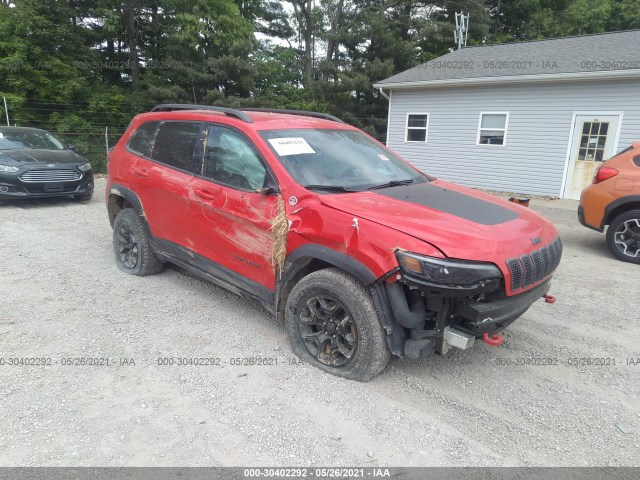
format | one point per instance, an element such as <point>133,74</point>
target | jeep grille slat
<point>515,267</point>
<point>527,263</point>
<point>532,268</point>
<point>546,258</point>
<point>538,272</point>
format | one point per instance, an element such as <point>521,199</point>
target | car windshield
<point>338,160</point>
<point>17,138</point>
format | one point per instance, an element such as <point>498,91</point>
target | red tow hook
<point>549,299</point>
<point>494,341</point>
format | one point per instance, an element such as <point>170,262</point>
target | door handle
<point>204,194</point>
<point>141,172</point>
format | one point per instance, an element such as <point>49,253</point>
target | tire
<point>131,245</point>
<point>83,198</point>
<point>337,315</point>
<point>623,237</point>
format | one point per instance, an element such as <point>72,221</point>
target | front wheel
<point>333,325</point>
<point>131,245</point>
<point>623,236</point>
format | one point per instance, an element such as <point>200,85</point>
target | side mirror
<point>72,147</point>
<point>270,186</point>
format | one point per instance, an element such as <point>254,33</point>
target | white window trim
<point>505,129</point>
<point>406,128</point>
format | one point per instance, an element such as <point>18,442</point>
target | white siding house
<point>532,117</point>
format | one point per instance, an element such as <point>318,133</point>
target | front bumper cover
<point>494,316</point>
<point>11,187</point>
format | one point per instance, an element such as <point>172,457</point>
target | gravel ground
<point>63,297</point>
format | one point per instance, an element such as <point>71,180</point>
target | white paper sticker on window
<point>290,146</point>
<point>383,157</point>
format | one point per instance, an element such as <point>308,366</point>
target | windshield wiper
<point>392,183</point>
<point>330,188</point>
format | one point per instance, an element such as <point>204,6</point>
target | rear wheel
<point>623,236</point>
<point>333,325</point>
<point>131,245</point>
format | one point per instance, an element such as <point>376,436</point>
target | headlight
<point>447,272</point>
<point>85,167</point>
<point>8,169</point>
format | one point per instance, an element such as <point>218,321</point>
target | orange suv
<point>614,199</point>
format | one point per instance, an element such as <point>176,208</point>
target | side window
<point>176,143</point>
<point>492,129</point>
<point>230,159</point>
<point>141,140</point>
<point>417,126</point>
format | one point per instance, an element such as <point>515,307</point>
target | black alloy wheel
<point>328,330</point>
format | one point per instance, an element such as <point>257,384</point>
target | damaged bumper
<point>424,318</point>
<point>492,317</point>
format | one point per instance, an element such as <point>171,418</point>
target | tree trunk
<point>308,42</point>
<point>302,9</point>
<point>131,33</point>
<point>336,19</point>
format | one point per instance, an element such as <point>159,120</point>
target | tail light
<point>603,173</point>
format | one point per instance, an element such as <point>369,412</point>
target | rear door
<point>162,181</point>
<point>231,217</point>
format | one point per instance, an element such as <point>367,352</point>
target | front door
<point>231,217</point>
<point>593,142</point>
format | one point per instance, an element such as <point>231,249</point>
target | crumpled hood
<point>461,222</point>
<point>29,156</point>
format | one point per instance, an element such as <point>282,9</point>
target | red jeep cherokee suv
<point>358,252</point>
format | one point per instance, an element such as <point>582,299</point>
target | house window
<point>593,141</point>
<point>417,125</point>
<point>492,129</point>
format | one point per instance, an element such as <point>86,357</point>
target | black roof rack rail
<point>324,116</point>
<point>231,112</point>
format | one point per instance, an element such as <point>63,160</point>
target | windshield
<point>341,160</point>
<point>10,139</point>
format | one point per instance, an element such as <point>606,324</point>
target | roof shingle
<point>570,55</point>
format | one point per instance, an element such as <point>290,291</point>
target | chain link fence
<point>93,145</point>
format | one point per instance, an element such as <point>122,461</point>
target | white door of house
<point>593,141</point>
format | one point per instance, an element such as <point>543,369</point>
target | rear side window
<point>141,141</point>
<point>176,144</point>
<point>636,160</point>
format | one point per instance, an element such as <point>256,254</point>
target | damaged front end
<point>433,304</point>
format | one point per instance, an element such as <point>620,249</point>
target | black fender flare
<point>340,260</point>
<point>133,200</point>
<point>608,211</point>
<point>300,257</point>
<point>129,195</point>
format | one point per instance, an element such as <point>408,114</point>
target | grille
<point>53,175</point>
<point>40,189</point>
<point>532,268</point>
